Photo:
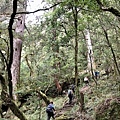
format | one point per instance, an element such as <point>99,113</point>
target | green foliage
<point>44,50</point>
<point>109,111</point>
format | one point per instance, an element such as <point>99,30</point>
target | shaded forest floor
<point>65,113</point>
<point>95,99</point>
<point>69,111</point>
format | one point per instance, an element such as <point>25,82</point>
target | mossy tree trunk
<point>8,98</point>
<point>44,97</point>
<point>75,16</point>
<point>112,50</point>
<point>81,101</point>
<point>55,48</point>
<point>9,102</point>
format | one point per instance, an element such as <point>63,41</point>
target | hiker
<point>70,95</point>
<point>50,111</point>
<point>97,75</point>
<point>86,80</point>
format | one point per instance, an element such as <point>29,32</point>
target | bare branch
<point>4,58</point>
<point>44,9</point>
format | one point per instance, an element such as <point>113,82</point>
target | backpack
<point>50,108</point>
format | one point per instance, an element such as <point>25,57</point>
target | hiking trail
<point>67,111</point>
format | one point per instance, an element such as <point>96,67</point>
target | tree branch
<point>109,44</point>
<point>110,9</point>
<point>4,58</point>
<point>44,9</point>
<point>28,64</point>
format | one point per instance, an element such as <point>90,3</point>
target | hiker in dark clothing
<point>50,111</point>
<point>70,95</point>
<point>97,75</point>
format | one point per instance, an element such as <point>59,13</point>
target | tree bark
<point>75,16</point>
<point>59,88</point>
<point>82,104</point>
<point>112,51</point>
<point>55,48</point>
<point>17,48</point>
<point>111,48</point>
<point>8,99</point>
<point>9,102</point>
<point>44,97</point>
<point>15,68</point>
<point>91,63</point>
<point>109,9</point>
<point>3,18</point>
<point>11,48</point>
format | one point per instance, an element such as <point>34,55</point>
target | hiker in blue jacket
<point>50,111</point>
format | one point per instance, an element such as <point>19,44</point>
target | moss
<point>63,117</point>
<point>108,110</point>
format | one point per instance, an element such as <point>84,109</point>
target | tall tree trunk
<point>75,16</point>
<point>90,57</point>
<point>111,48</point>
<point>8,98</point>
<point>59,88</point>
<point>15,68</point>
<point>112,51</point>
<point>11,48</point>
<point>17,48</point>
<point>55,49</point>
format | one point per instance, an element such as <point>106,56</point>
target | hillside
<point>101,103</point>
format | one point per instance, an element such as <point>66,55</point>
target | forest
<point>50,47</point>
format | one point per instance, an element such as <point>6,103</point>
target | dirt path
<point>65,113</point>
